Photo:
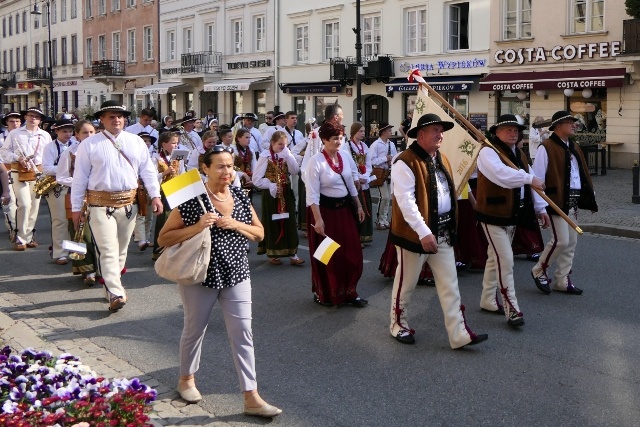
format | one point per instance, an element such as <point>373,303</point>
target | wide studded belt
<point>111,199</point>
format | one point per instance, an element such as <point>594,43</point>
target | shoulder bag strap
<point>121,153</point>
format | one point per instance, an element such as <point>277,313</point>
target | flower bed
<point>37,389</point>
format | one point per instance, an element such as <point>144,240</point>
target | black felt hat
<point>62,123</point>
<point>507,120</point>
<point>111,106</point>
<point>10,114</point>
<point>148,135</point>
<point>32,110</point>
<point>428,120</point>
<point>560,116</point>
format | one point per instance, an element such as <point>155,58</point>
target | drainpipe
<point>276,54</point>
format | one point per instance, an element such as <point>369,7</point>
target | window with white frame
<point>209,37</point>
<point>89,51</point>
<point>63,10</point>
<point>36,54</point>
<point>17,23</point>
<point>74,49</point>
<point>131,3</point>
<point>11,25</point>
<point>517,19</point>
<point>171,45</point>
<point>331,33</point>
<point>148,43</point>
<point>371,34</point>
<point>416,28</point>
<point>102,7</point>
<point>24,22</point>
<point>74,9</point>
<point>459,26</point>
<point>54,52</point>
<point>88,11</point>
<point>302,43</point>
<point>25,58</point>
<point>131,45</point>
<point>236,27</point>
<point>115,46</point>
<point>63,51</point>
<point>259,37</point>
<point>45,16</point>
<point>54,12</point>
<point>187,40</point>
<point>102,47</point>
<point>115,6</point>
<point>45,55</point>
<point>18,59</point>
<point>587,16</point>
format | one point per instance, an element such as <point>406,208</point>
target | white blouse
<point>259,179</point>
<point>321,179</point>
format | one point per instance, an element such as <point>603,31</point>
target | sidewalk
<point>21,327</point>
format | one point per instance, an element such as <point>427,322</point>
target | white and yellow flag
<point>184,187</point>
<point>458,145</point>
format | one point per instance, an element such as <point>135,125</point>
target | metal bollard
<point>635,198</point>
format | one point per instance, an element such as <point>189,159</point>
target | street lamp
<point>52,98</point>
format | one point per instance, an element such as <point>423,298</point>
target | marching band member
<point>56,195</point>
<point>272,175</point>
<point>143,125</point>
<point>244,159</point>
<point>167,170</point>
<point>380,154</point>
<point>23,149</point>
<point>189,138</point>
<point>294,137</point>
<point>278,125</point>
<point>358,150</point>
<point>249,120</point>
<point>142,232</point>
<point>107,168</point>
<point>11,121</point>
<point>64,176</point>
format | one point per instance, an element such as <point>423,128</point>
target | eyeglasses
<point>219,149</point>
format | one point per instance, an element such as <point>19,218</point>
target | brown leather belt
<point>111,199</point>
<point>25,174</point>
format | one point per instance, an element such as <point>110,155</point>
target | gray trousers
<point>198,301</point>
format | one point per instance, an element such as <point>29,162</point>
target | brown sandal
<point>275,261</point>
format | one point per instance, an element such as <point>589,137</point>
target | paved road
<point>575,362</point>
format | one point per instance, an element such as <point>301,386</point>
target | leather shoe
<point>191,395</point>
<point>32,244</point>
<point>358,302</point>
<point>477,339</point>
<point>571,290</point>
<point>265,411</point>
<point>295,261</point>
<point>405,337</point>
<point>499,311</point>
<point>542,283</point>
<point>116,303</point>
<point>62,260</point>
<point>275,261</point>
<point>515,319</point>
<point>316,299</point>
<point>19,247</point>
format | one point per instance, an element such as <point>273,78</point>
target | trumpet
<point>184,137</point>
<point>77,247</point>
<point>30,165</point>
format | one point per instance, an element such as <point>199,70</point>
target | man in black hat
<point>424,229</point>
<point>504,199</point>
<point>10,121</point>
<point>63,130</point>
<point>249,120</point>
<point>107,168</point>
<point>189,139</point>
<point>381,151</point>
<point>278,124</point>
<point>560,164</point>
<point>23,148</point>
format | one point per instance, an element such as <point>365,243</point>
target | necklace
<point>216,197</point>
<point>337,169</point>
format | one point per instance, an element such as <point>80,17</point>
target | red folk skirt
<point>336,282</point>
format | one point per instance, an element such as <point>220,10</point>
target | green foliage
<point>633,8</point>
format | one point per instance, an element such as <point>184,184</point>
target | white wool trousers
<point>384,203</point>
<point>27,208</point>
<point>111,229</point>
<point>59,222</point>
<point>235,301</point>
<point>560,250</point>
<point>10,208</point>
<point>443,266</point>
<point>144,224</point>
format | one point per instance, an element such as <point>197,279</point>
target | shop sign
<point>440,87</point>
<point>248,64</point>
<point>559,53</point>
<point>405,67</point>
<point>25,85</point>
<point>66,83</point>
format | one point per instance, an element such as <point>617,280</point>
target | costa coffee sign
<point>559,53</point>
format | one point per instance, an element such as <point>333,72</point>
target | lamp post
<point>52,98</point>
<point>359,67</point>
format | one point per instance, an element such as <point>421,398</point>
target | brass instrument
<point>78,238</point>
<point>30,165</point>
<point>44,183</point>
<point>163,166</point>
<point>185,138</point>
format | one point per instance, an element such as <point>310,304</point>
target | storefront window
<point>591,127</point>
<point>510,103</point>
<point>321,103</point>
<point>299,107</point>
<point>409,103</point>
<point>260,104</point>
<point>173,104</point>
<point>459,101</point>
<point>237,104</point>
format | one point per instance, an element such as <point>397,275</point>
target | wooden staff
<point>479,136</point>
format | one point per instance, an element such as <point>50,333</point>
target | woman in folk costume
<point>209,139</point>
<point>167,170</point>
<point>278,205</point>
<point>64,175</point>
<point>381,151</point>
<point>167,125</point>
<point>358,150</point>
<point>331,194</point>
<point>244,160</point>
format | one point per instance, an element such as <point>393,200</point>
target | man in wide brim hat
<point>561,117</point>
<point>185,119</point>
<point>32,110</point>
<point>9,115</point>
<point>507,120</point>
<point>428,120</point>
<point>110,107</point>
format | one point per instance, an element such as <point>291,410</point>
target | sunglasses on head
<point>219,149</point>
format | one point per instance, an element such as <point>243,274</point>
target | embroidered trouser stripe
<point>560,249</point>
<point>59,222</point>
<point>111,234</point>
<point>27,210</point>
<point>498,271</point>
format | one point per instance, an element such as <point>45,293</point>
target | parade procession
<point>429,219</point>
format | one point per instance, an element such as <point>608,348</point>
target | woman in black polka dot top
<point>232,221</point>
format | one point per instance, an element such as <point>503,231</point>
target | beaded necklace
<point>336,169</point>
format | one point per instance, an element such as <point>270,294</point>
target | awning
<point>233,85</point>
<point>317,87</point>
<point>438,83</point>
<point>20,92</point>
<point>162,88</point>
<point>569,79</point>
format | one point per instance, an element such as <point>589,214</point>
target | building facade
<point>25,50</point>
<point>120,40</point>
<point>571,59</point>
<point>448,41</point>
<point>216,55</point>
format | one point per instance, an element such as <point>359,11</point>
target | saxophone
<point>185,139</point>
<point>44,183</point>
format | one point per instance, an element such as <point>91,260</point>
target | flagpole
<point>482,138</point>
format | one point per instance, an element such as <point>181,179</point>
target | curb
<point>611,230</point>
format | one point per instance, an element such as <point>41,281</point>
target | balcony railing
<point>107,67</point>
<point>631,36</point>
<point>201,62</point>
<point>40,73</point>
<point>7,79</point>
<point>343,70</point>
